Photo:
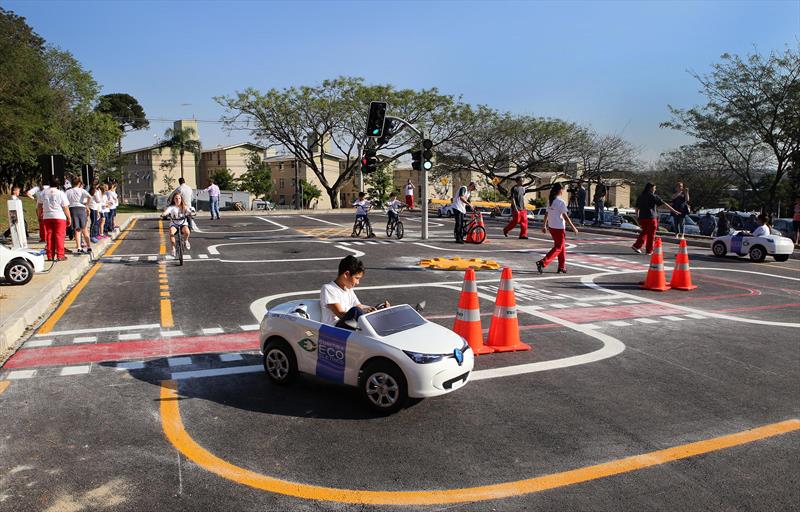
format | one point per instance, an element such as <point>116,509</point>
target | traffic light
<point>376,118</point>
<point>427,154</point>
<point>369,162</point>
<point>416,160</point>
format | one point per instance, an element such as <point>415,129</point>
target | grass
<point>130,208</point>
<point>28,206</point>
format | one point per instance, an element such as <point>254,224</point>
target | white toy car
<point>446,210</point>
<point>393,354</point>
<point>19,265</point>
<point>758,247</point>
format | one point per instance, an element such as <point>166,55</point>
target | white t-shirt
<point>53,202</point>
<point>75,196</point>
<point>394,205</point>
<point>458,204</point>
<point>332,293</point>
<point>176,215</point>
<point>762,231</point>
<point>100,199</point>
<point>94,204</point>
<point>362,206</point>
<point>409,189</point>
<point>113,202</point>
<point>554,218</point>
<point>35,191</point>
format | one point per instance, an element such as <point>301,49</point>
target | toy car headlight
<point>423,358</point>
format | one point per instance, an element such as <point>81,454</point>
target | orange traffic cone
<point>681,277</point>
<point>504,329</point>
<point>468,318</point>
<point>656,278</point>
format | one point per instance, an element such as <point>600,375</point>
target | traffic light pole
<point>424,185</point>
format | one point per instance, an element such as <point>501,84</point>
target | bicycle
<point>395,225</point>
<point>179,242</point>
<point>360,224</point>
<point>474,228</point>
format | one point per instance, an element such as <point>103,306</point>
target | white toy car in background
<point>393,354</point>
<point>19,265</point>
<point>446,210</point>
<point>758,247</point>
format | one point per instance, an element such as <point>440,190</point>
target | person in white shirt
<point>113,202</point>
<point>554,220</point>
<point>34,194</point>
<point>94,211</point>
<point>78,202</point>
<point>102,199</point>
<point>52,207</point>
<point>338,302</point>
<point>763,228</point>
<point>408,190</point>
<point>393,207</point>
<point>213,199</point>
<point>459,207</point>
<point>179,215</point>
<point>362,212</point>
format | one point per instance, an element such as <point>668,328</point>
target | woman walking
<point>680,203</point>
<point>647,210</point>
<point>555,219</point>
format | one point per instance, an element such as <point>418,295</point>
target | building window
<point>280,166</point>
<point>282,181</point>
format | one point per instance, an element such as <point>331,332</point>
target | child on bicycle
<point>393,207</point>
<point>362,214</point>
<point>178,215</point>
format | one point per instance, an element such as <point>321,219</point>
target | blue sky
<point>612,65</point>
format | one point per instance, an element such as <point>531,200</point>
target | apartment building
<point>233,157</point>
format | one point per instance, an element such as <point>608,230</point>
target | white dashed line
<point>130,336</point>
<point>129,365</point>
<point>169,334</point>
<point>179,361</point>
<point>152,258</point>
<point>230,357</point>
<point>21,374</point>
<point>135,258</point>
<point>251,327</point>
<point>645,320</point>
<point>631,302</point>
<point>75,370</point>
<point>673,318</point>
<point>203,256</point>
<point>85,339</point>
<point>696,316</point>
<point>233,370</point>
<point>559,306</point>
<point>101,329</point>
<point>38,343</point>
<point>213,330</point>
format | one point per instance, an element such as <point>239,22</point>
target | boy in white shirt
<point>393,207</point>
<point>338,302</point>
<point>362,212</point>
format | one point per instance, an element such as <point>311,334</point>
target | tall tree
<point>180,141</point>
<point>126,111</point>
<point>752,111</point>
<point>258,178</point>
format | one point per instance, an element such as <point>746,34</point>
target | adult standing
<point>723,228</point>
<point>555,219</point>
<point>519,215</point>
<point>94,212</point>
<point>647,210</point>
<point>408,191</point>
<point>53,208</point>
<point>459,207</point>
<point>34,194</point>
<point>680,203</point>
<point>599,201</point>
<point>213,199</point>
<point>580,196</point>
<point>707,224</point>
<point>78,203</point>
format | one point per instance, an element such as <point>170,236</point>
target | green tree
<point>310,192</point>
<point>224,179</point>
<point>168,179</point>
<point>180,141</point>
<point>258,178</point>
<point>380,183</point>
<point>126,112</point>
<point>751,118</point>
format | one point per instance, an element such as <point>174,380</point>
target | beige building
<point>234,158</point>
<point>286,170</point>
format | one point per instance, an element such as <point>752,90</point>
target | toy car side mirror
<point>420,307</point>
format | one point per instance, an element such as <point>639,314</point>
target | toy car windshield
<point>394,320</point>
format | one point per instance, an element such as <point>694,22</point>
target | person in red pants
<point>519,215</point>
<point>408,190</point>
<point>647,210</point>
<point>53,208</point>
<point>555,219</point>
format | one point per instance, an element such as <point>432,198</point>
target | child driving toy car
<point>338,302</point>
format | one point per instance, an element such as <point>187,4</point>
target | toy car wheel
<point>719,249</point>
<point>781,257</point>
<point>438,213</point>
<point>19,272</point>
<point>758,253</point>
<point>280,362</point>
<point>383,387</point>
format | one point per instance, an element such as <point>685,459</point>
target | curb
<point>13,329</point>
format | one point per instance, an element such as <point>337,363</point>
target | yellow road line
<point>4,385</point>
<point>162,249</point>
<point>120,238</point>
<point>166,313</point>
<point>172,424</point>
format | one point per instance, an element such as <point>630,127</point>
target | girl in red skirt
<point>555,219</point>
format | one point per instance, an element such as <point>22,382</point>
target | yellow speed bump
<point>459,264</point>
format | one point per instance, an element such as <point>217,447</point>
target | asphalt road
<point>704,383</point>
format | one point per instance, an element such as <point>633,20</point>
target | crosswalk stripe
<point>230,357</point>
<point>168,334</point>
<point>179,361</point>
<point>645,320</point>
<point>75,370</point>
<point>130,336</point>
<point>673,318</point>
<point>203,256</point>
<point>20,374</point>
<point>250,327</point>
<point>38,343</point>
<point>85,339</point>
<point>213,330</point>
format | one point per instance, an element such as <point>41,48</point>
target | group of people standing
<point>90,215</point>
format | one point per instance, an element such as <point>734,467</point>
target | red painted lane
<point>759,308</point>
<point>587,315</point>
<point>64,355</point>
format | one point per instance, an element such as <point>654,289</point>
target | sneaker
<point>561,271</point>
<point>174,252</point>
<point>540,266</point>
<point>523,238</point>
<point>636,250</point>
<point>63,258</point>
<point>505,234</point>
<point>94,240</point>
<point>650,253</point>
<point>188,245</point>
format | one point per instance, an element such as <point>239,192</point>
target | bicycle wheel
<point>357,227</point>
<point>390,228</point>
<point>179,247</point>
<point>399,231</point>
<point>478,234</point>
<point>370,233</point>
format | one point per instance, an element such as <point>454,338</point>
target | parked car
<point>758,247</point>
<point>19,265</point>
<point>665,220</point>
<point>393,353</point>
<point>783,227</point>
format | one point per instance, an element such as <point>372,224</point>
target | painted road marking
<point>613,312</point>
<point>172,424</point>
<point>213,330</point>
<point>619,323</point>
<point>85,339</point>
<point>203,256</point>
<point>102,329</point>
<point>20,374</point>
<point>75,370</point>
<point>323,221</point>
<point>673,318</point>
<point>130,336</point>
<point>129,365</point>
<point>250,327</point>
<point>179,361</point>
<point>230,357</point>
<point>4,385</point>
<point>152,258</point>
<point>169,334</point>
<point>216,372</point>
<point>38,343</point>
<point>645,320</point>
<point>696,316</point>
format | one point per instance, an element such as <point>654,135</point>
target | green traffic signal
<point>376,131</point>
<point>427,165</point>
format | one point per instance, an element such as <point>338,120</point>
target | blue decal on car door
<point>331,352</point>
